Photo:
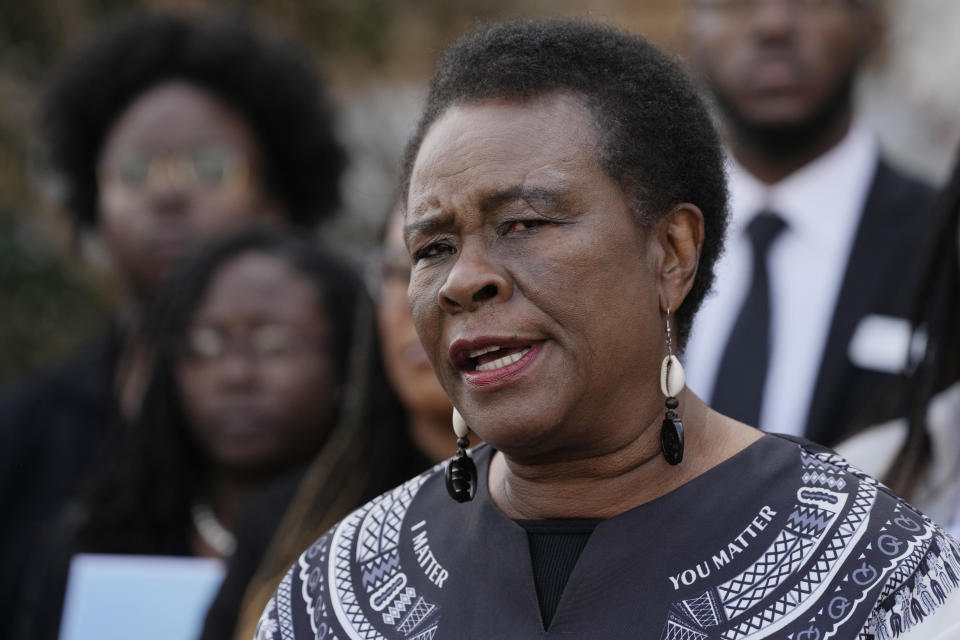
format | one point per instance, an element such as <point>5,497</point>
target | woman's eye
<point>435,250</point>
<point>524,225</point>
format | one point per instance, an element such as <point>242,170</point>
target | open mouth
<point>493,362</point>
<point>495,357</point>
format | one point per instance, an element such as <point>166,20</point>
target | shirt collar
<point>821,202</point>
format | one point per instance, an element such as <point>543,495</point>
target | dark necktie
<point>738,390</point>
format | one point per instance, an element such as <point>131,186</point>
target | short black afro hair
<point>657,139</point>
<point>267,82</point>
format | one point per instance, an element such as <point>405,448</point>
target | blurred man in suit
<point>822,256</point>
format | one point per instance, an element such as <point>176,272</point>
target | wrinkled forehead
<point>479,146</point>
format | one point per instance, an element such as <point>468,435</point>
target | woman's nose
<point>237,369</point>
<point>475,279</point>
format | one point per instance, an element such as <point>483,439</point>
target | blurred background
<point>376,56</point>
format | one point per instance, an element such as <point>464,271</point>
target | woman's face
<point>533,287</point>
<point>257,381</point>
<point>177,166</point>
<point>406,361</point>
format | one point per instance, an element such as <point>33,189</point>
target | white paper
<point>118,597</point>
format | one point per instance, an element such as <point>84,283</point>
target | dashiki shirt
<point>783,540</point>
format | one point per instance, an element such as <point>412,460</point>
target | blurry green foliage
<point>48,305</point>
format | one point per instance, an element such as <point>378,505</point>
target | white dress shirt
<point>822,205</point>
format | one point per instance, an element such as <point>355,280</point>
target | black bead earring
<point>672,380</point>
<point>461,472</point>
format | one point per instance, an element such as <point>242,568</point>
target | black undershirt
<point>555,547</point>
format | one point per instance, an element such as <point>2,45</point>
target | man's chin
<point>787,126</point>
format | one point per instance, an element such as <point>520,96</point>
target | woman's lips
<point>492,362</point>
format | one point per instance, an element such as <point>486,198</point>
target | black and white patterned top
<point>783,540</point>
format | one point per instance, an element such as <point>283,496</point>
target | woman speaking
<point>565,204</point>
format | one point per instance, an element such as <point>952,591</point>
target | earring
<point>672,381</point>
<point>461,472</point>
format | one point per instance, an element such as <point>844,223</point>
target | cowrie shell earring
<point>461,472</point>
<point>672,381</point>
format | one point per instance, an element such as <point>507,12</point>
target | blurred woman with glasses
<point>420,438</point>
<point>164,131</point>
<point>264,376</point>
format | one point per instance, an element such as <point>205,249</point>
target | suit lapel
<point>880,277</point>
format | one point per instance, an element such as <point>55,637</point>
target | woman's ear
<point>680,236</point>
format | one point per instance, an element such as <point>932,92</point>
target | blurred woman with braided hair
<point>267,404</point>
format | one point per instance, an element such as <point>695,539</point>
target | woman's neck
<point>225,496</point>
<point>613,482</point>
<point>228,493</point>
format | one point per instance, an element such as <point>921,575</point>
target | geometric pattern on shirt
<point>380,531</point>
<point>284,607</point>
<point>794,546</point>
<point>825,469</point>
<point>398,608</point>
<point>677,630</point>
<point>908,569</point>
<point>370,537</point>
<point>268,623</point>
<point>378,570</point>
<point>277,616</point>
<point>784,557</point>
<point>919,561</point>
<point>704,609</point>
<point>921,577</point>
<point>420,612</point>
<point>809,551</point>
<point>832,552</point>
<point>427,634</point>
<point>312,583</point>
<point>405,621</point>
<point>814,514</point>
<point>919,595</point>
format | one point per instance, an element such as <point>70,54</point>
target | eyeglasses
<point>207,167</point>
<point>269,342</point>
<point>800,5</point>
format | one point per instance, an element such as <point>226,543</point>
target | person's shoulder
<point>920,597</point>
<point>874,448</point>
<point>915,563</point>
<point>389,506</point>
<point>884,504</point>
<point>913,560</point>
<point>300,603</point>
<point>815,455</point>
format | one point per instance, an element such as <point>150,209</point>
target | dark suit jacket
<point>885,264</point>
